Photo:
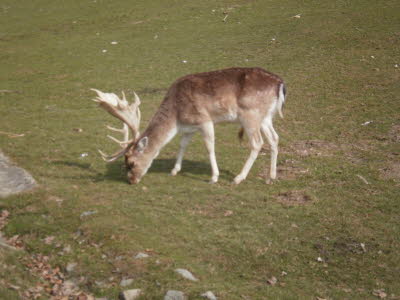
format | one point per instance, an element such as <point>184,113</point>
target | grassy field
<point>327,229</point>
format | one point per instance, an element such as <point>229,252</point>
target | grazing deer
<point>250,96</point>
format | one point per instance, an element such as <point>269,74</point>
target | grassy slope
<point>51,54</point>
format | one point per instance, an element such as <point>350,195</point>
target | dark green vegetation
<point>338,60</point>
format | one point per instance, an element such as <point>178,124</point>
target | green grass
<point>338,60</point>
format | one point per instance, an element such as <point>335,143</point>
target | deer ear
<point>142,144</point>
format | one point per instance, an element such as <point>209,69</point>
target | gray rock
<point>186,274</point>
<point>130,294</point>
<point>209,295</point>
<point>174,295</point>
<point>13,179</point>
<point>126,282</point>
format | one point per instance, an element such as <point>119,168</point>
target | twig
<point>12,135</point>
<point>8,91</point>
<point>363,179</point>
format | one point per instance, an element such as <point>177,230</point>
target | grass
<point>338,60</point>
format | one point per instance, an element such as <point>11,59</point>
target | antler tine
<point>121,143</point>
<point>115,129</point>
<point>123,96</point>
<point>113,157</point>
<point>137,99</point>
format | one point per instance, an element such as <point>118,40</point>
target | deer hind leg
<point>185,140</point>
<point>256,143</point>
<point>273,140</point>
<point>207,131</point>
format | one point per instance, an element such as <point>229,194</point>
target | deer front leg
<point>256,143</point>
<point>207,130</point>
<point>185,140</point>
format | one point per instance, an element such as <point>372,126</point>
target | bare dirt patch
<point>391,172</point>
<point>291,169</point>
<point>394,133</point>
<point>288,169</point>
<point>312,148</point>
<point>294,198</point>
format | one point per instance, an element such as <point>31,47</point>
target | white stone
<point>130,294</point>
<point>141,255</point>
<point>186,274</point>
<point>209,295</point>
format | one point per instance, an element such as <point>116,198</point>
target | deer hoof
<point>238,179</point>
<point>174,171</point>
<point>269,180</point>
<point>213,180</point>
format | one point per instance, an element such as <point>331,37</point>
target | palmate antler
<point>129,114</point>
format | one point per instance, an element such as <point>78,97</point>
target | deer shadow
<point>191,169</point>
<point>116,171</point>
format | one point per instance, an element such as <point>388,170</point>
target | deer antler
<point>129,114</point>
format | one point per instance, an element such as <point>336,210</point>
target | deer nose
<point>132,179</point>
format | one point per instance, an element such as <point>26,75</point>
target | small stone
<point>88,213</point>
<point>71,267</point>
<point>174,295</point>
<point>126,282</point>
<point>130,294</point>
<point>186,274</point>
<point>141,255</point>
<point>209,295</point>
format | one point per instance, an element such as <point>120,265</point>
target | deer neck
<point>161,129</point>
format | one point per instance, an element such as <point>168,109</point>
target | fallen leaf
<point>49,240</point>
<point>272,281</point>
<point>379,293</point>
<point>228,213</point>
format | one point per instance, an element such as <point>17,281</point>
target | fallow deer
<point>250,96</point>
